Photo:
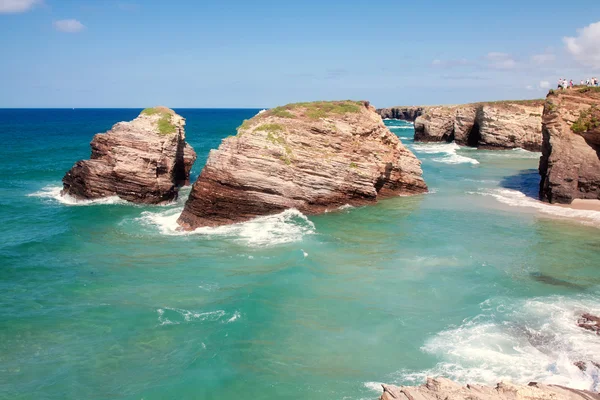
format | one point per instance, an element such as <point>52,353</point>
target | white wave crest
<point>534,340</point>
<point>401,127</point>
<point>518,199</point>
<point>288,226</point>
<point>513,153</point>
<point>235,316</point>
<point>53,193</point>
<point>176,316</point>
<point>449,151</point>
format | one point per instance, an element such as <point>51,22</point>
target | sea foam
<point>448,151</point>
<point>288,226</point>
<point>523,341</point>
<point>53,193</point>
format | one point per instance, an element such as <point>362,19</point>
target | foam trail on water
<point>532,340</point>
<point>401,127</point>
<point>449,151</point>
<point>519,199</point>
<point>53,193</point>
<point>288,226</point>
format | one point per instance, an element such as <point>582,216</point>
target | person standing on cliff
<point>571,83</point>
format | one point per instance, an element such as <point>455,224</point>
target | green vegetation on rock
<point>587,121</point>
<point>165,126</point>
<point>316,109</point>
<point>270,128</point>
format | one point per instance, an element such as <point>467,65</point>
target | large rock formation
<point>406,113</point>
<point>308,156</point>
<point>570,163</point>
<point>496,125</point>
<point>142,161</point>
<point>445,389</point>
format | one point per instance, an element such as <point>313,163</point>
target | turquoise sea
<point>476,281</point>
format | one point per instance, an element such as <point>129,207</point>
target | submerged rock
<point>309,156</point>
<point>589,322</point>
<point>142,161</point>
<point>441,388</point>
<point>494,125</point>
<point>405,113</point>
<point>570,163</point>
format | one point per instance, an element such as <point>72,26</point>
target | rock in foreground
<point>142,161</point>
<point>445,389</point>
<point>570,163</point>
<point>308,156</point>
<point>494,125</point>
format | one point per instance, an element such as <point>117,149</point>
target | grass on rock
<point>165,126</point>
<point>316,109</point>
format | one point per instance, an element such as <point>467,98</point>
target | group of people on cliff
<point>564,84</point>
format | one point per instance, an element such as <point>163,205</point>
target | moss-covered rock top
<point>316,109</point>
<point>165,121</point>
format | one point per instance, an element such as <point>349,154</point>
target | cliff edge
<point>309,156</point>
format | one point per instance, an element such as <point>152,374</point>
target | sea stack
<point>495,125</point>
<point>570,163</point>
<point>309,156</point>
<point>142,161</point>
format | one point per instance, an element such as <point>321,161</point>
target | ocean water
<point>476,281</point>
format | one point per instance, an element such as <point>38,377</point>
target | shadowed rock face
<point>406,113</point>
<point>441,388</point>
<point>142,161</point>
<point>501,125</point>
<point>570,163</point>
<point>308,156</point>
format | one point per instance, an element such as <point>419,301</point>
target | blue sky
<point>104,53</point>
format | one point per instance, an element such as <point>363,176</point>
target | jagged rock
<point>589,322</point>
<point>406,113</point>
<point>495,125</point>
<point>570,163</point>
<point>308,156</point>
<point>142,161</point>
<point>445,389</point>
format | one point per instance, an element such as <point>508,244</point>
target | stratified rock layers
<point>441,388</point>
<point>142,161</point>
<point>570,163</point>
<point>500,125</point>
<point>406,113</point>
<point>307,156</point>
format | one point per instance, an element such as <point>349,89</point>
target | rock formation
<point>570,163</point>
<point>406,113</point>
<point>309,156</point>
<point>495,125</point>
<point>445,389</point>
<point>142,161</point>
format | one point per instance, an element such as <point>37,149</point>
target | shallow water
<point>476,281</point>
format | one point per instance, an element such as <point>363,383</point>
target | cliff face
<point>500,125</point>
<point>441,388</point>
<point>142,161</point>
<point>406,113</point>
<point>308,156</point>
<point>570,163</point>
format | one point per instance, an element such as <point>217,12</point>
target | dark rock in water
<point>142,161</point>
<point>405,113</point>
<point>570,163</point>
<point>543,278</point>
<point>445,389</point>
<point>589,322</point>
<point>308,156</point>
<point>581,365</point>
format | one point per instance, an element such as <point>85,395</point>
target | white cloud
<point>500,60</point>
<point>544,85</point>
<point>436,62</point>
<point>450,63</point>
<point>543,58</point>
<point>17,6</point>
<point>585,48</point>
<point>529,87</point>
<point>68,25</point>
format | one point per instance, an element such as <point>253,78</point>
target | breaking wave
<point>518,199</point>
<point>176,316</point>
<point>53,193</point>
<point>288,226</point>
<point>448,151</point>
<point>532,340</point>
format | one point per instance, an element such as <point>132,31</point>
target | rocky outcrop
<point>406,113</point>
<point>142,161</point>
<point>441,388</point>
<point>570,163</point>
<point>308,156</point>
<point>497,125</point>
